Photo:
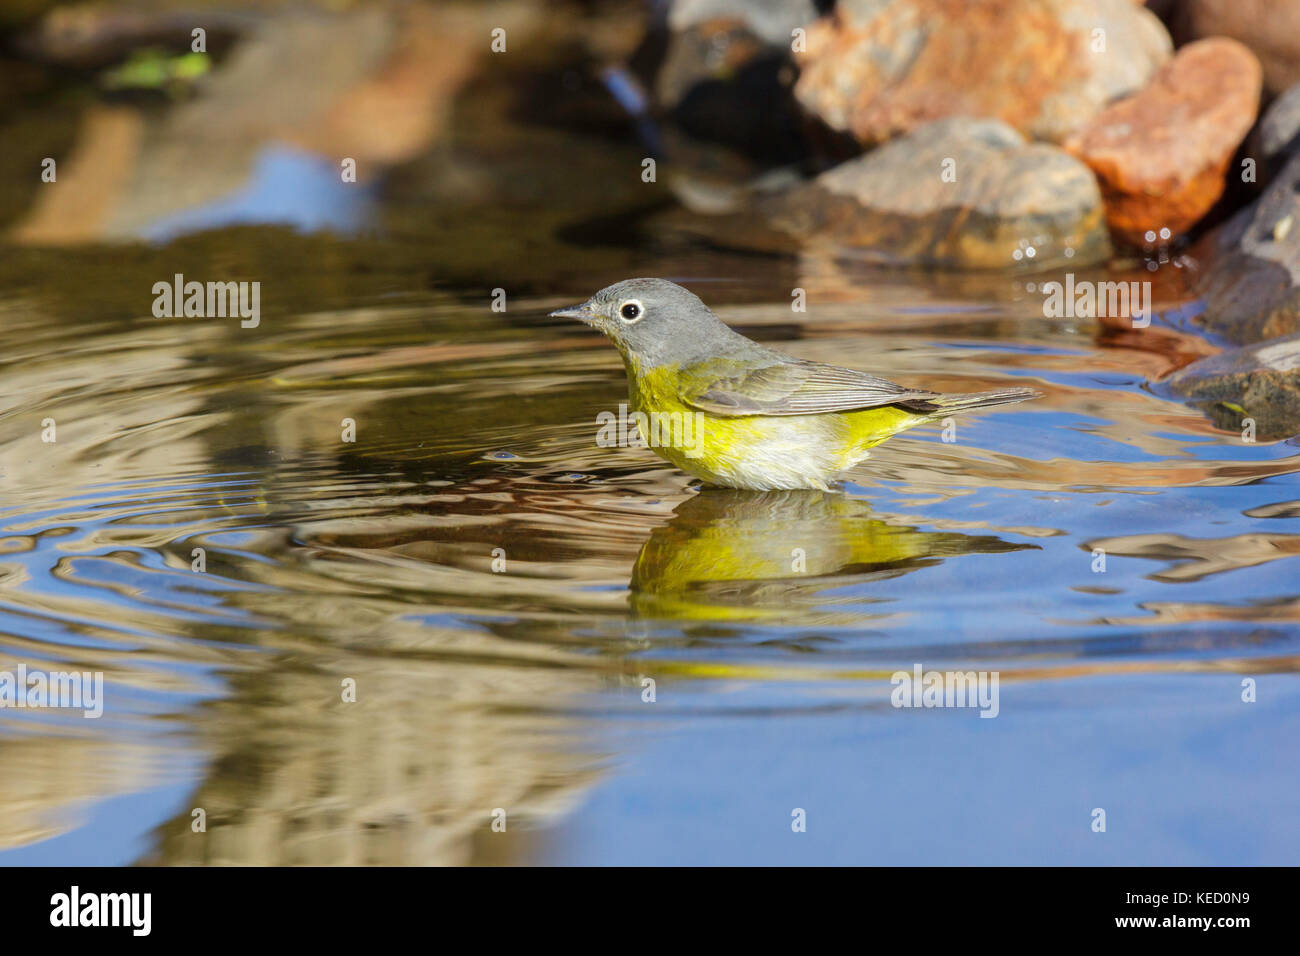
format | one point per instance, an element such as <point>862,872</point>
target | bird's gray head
<point>655,322</point>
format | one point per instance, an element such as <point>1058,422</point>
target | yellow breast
<point>759,452</point>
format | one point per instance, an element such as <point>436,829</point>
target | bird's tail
<point>944,404</point>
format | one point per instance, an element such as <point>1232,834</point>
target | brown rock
<point>1271,28</point>
<point>879,68</point>
<point>1162,153</point>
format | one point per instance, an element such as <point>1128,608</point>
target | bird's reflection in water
<point>750,556</point>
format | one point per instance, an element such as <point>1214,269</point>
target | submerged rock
<point>1252,287</point>
<point>1162,153</point>
<point>960,192</point>
<point>1257,382</point>
<point>1271,28</point>
<point>878,68</point>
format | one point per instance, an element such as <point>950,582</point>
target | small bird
<point>737,414</point>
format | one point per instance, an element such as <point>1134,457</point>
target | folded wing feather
<point>791,388</point>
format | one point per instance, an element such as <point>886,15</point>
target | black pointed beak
<point>582,313</point>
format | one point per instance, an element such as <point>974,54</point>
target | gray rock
<point>1279,129</point>
<point>1259,382</point>
<point>1005,203</point>
<point>1252,287</point>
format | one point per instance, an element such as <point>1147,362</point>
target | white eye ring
<point>637,315</point>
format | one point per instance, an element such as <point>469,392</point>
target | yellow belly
<point>758,452</point>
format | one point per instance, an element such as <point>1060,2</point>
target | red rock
<point>1161,154</point>
<point>881,68</point>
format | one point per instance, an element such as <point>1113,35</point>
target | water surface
<point>500,588</point>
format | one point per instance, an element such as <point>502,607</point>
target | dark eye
<point>630,311</point>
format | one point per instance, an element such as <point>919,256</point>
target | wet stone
<point>1257,382</point>
<point>961,192</point>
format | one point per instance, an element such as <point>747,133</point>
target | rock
<point>772,21</point>
<point>710,52</point>
<point>959,192</point>
<point>1271,28</point>
<point>1252,285</point>
<point>1279,130</point>
<point>1259,382</point>
<point>1162,153</point>
<point>727,73</point>
<point>878,68</point>
<point>721,84</point>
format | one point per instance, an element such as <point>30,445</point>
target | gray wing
<point>788,388</point>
